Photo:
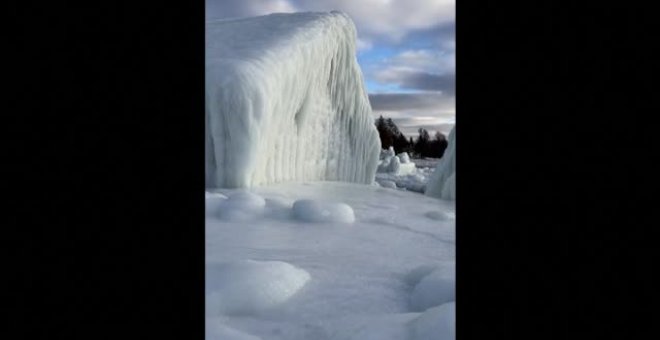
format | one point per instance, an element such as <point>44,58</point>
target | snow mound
<point>216,331</point>
<point>388,184</point>
<point>214,195</point>
<point>396,165</point>
<point>404,157</point>
<point>213,203</point>
<point>434,289</point>
<point>442,183</point>
<point>286,101</point>
<point>318,211</point>
<point>438,323</point>
<point>248,287</point>
<point>241,206</point>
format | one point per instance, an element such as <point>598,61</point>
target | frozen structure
<point>442,183</point>
<point>285,101</point>
<point>395,164</point>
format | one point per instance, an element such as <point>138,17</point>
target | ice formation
<point>442,183</point>
<point>402,172</point>
<point>285,101</point>
<point>399,165</point>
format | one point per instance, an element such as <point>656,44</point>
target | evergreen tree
<point>422,144</point>
<point>390,135</point>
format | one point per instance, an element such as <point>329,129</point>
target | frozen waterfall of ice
<point>442,183</point>
<point>285,101</point>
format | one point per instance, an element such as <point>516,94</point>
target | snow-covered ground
<point>329,260</point>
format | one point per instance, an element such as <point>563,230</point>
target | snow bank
<point>285,101</point>
<point>317,211</point>
<point>442,183</point>
<point>438,323</point>
<point>434,289</point>
<point>248,287</point>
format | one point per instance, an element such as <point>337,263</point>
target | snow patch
<point>248,286</point>
<point>318,211</point>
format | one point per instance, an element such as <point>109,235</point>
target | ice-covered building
<point>285,101</point>
<point>442,183</point>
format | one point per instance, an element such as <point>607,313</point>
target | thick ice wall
<point>285,101</point>
<point>442,183</point>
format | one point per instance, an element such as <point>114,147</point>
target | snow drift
<point>248,287</point>
<point>442,183</point>
<point>285,101</point>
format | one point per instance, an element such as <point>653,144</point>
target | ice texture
<point>286,101</point>
<point>248,287</point>
<point>442,183</point>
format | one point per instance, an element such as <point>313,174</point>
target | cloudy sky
<point>406,49</point>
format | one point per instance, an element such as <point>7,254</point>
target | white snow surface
<point>217,331</point>
<point>286,101</point>
<point>248,287</point>
<point>276,276</point>
<point>442,183</point>
<point>435,288</point>
<point>437,323</point>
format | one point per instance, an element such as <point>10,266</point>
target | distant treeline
<point>423,146</point>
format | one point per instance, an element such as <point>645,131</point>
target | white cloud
<point>390,20</point>
<point>222,9</point>
<point>271,6</point>
<point>387,20</point>
<point>364,45</point>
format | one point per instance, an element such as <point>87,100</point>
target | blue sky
<point>406,50</point>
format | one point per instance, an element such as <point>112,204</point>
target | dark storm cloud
<point>410,101</point>
<point>427,82</point>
